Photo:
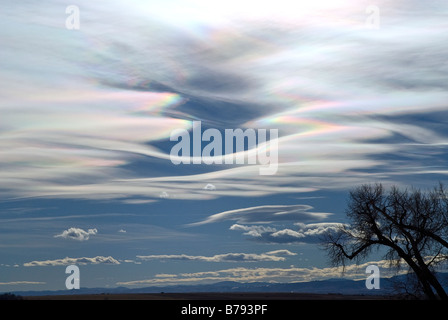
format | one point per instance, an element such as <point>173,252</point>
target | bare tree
<point>411,225</point>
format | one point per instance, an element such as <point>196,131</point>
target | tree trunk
<point>419,272</point>
<point>436,284</point>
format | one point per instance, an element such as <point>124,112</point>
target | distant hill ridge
<point>330,286</point>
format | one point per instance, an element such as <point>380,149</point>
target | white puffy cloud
<point>77,234</point>
<point>69,261</point>
<point>164,195</point>
<point>317,229</point>
<point>305,233</point>
<point>288,234</point>
<point>277,255</point>
<point>254,231</point>
<point>210,186</point>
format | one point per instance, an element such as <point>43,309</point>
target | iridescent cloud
<point>87,106</point>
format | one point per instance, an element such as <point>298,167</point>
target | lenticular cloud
<point>267,213</point>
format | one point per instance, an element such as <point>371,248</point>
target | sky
<point>92,91</point>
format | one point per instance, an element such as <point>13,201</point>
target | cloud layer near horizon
<point>279,275</point>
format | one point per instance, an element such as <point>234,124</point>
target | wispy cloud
<point>15,283</point>
<point>333,88</point>
<point>278,255</point>
<point>69,261</point>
